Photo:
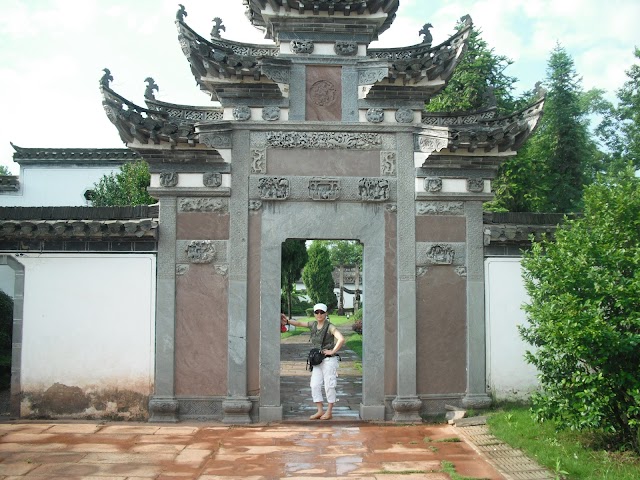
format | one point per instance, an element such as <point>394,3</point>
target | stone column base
<point>236,410</point>
<point>407,409</point>
<point>270,414</point>
<point>372,412</point>
<point>476,400</point>
<point>163,409</point>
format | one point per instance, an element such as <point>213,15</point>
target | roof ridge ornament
<point>106,78</point>
<point>428,38</point>
<point>217,27</point>
<point>180,14</point>
<point>151,86</point>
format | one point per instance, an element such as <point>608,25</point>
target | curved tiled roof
<point>69,155</point>
<point>185,114</point>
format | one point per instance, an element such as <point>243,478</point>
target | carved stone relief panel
<point>301,46</point>
<point>212,179</point>
<point>433,184</point>
<point>429,144</point>
<point>404,115</point>
<point>371,76</point>
<point>168,179</point>
<point>201,204</point>
<point>324,93</point>
<point>273,188</point>
<point>255,205</point>
<point>375,115</point>
<point>201,251</point>
<point>278,75</point>
<point>373,189</point>
<point>441,254</point>
<point>216,139</point>
<point>345,47</point>
<point>388,164</point>
<point>258,160</point>
<point>475,185</point>
<point>241,113</point>
<point>324,188</point>
<point>439,208</point>
<point>271,113</point>
<point>324,140</point>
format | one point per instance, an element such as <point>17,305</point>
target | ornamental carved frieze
<point>375,115</point>
<point>346,47</point>
<point>324,140</point>
<point>216,139</point>
<point>373,189</point>
<point>258,160</point>
<point>200,204</point>
<point>168,179</point>
<point>242,113</point>
<point>200,251</point>
<point>441,254</point>
<point>455,120</point>
<point>371,76</point>
<point>212,179</point>
<point>271,114</point>
<point>277,74</point>
<point>429,144</point>
<point>475,185</point>
<point>404,115</point>
<point>388,164</point>
<point>321,188</point>
<point>323,93</point>
<point>273,188</point>
<point>301,46</point>
<point>433,184</point>
<point>439,208</point>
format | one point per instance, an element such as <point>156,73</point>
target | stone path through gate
<point>295,393</point>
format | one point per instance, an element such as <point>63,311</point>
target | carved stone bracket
<point>375,115</point>
<point>461,271</point>
<point>475,185</point>
<point>421,271</point>
<point>391,207</point>
<point>404,115</point>
<point>428,144</point>
<point>216,139</point>
<point>321,188</point>
<point>201,251</point>
<point>346,47</point>
<point>433,184</point>
<point>168,179</point>
<point>255,205</point>
<point>181,269</point>
<point>222,270</point>
<point>203,205</point>
<point>258,160</point>
<point>301,46</point>
<point>163,409</point>
<point>324,140</point>
<point>236,410</point>
<point>273,188</point>
<point>212,179</point>
<point>439,208</point>
<point>242,113</point>
<point>373,189</point>
<point>277,74</point>
<point>371,76</point>
<point>271,114</point>
<point>407,409</point>
<point>388,164</point>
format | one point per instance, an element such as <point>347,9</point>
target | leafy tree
<point>584,314</point>
<point>6,321</point>
<point>294,258</point>
<point>318,275</point>
<point>550,171</point>
<point>479,75</point>
<point>345,252</point>
<point>127,187</point>
<point>4,170</point>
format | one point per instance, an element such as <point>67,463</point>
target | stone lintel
<point>190,192</point>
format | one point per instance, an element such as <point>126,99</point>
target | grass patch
<point>571,455</point>
<point>449,469</point>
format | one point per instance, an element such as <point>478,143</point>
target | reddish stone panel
<point>202,226</point>
<point>391,304</point>
<point>201,332</point>
<point>441,331</point>
<point>328,163</point>
<point>441,228</point>
<point>324,94</point>
<point>253,304</point>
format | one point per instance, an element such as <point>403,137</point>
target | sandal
<point>326,416</point>
<point>316,416</point>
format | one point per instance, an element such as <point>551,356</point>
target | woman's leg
<point>316,390</point>
<point>330,374</point>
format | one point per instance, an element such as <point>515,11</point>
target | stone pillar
<point>406,404</point>
<point>476,396</point>
<point>297,93</point>
<point>163,406</point>
<point>237,405</point>
<point>350,94</point>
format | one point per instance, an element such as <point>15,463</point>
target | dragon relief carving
<point>373,189</point>
<point>273,188</point>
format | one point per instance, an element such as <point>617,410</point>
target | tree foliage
<point>345,252</point>
<point>294,258</point>
<point>4,170</point>
<point>127,187</point>
<point>6,321</point>
<point>584,313</point>
<point>551,170</point>
<point>318,275</point>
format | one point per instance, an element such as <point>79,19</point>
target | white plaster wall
<point>55,186</point>
<point>88,321</point>
<point>509,376</point>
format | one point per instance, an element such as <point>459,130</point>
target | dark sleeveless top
<point>316,336</point>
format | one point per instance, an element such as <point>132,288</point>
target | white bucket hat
<point>320,306</point>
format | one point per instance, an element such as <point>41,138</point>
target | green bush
<point>584,314</point>
<point>6,321</point>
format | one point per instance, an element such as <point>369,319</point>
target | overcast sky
<point>52,53</point>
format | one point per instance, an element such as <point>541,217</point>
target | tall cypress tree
<point>294,258</point>
<point>318,275</point>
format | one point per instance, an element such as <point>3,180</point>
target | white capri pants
<point>326,372</point>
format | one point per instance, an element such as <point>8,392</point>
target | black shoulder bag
<point>316,356</point>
